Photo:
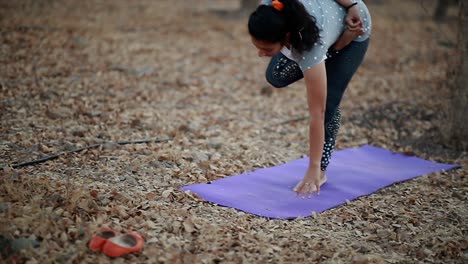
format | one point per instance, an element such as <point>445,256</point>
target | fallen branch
<point>33,162</point>
<point>288,121</point>
<point>52,157</point>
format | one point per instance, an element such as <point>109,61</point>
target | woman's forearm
<point>345,3</point>
<point>316,85</point>
<point>316,138</point>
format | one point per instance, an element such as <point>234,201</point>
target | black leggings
<point>340,67</point>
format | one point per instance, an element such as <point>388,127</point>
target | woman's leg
<point>282,71</point>
<point>340,69</point>
<point>332,128</point>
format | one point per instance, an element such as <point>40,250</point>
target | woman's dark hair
<point>271,25</point>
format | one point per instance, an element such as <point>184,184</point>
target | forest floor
<point>77,73</point>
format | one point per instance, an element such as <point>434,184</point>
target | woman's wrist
<point>313,165</point>
<point>350,6</point>
<point>346,3</point>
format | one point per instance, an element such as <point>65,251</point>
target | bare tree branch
<point>52,157</point>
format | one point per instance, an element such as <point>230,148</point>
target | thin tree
<point>455,128</point>
<point>249,5</point>
<point>245,8</point>
<point>440,13</point>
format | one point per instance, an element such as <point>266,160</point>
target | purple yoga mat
<point>352,173</point>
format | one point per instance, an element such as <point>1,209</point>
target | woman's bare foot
<point>323,179</point>
<point>346,38</point>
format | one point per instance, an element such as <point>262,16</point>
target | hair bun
<point>277,5</point>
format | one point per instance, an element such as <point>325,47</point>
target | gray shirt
<point>330,18</point>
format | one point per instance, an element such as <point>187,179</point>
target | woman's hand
<point>310,183</point>
<point>353,19</point>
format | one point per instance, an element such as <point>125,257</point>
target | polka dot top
<point>330,20</point>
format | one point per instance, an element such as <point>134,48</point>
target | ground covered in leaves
<point>77,73</point>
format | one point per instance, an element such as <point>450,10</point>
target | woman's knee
<point>275,82</point>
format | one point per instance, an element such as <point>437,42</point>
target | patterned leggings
<point>340,67</point>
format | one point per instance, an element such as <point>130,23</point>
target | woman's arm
<point>353,18</point>
<point>345,3</point>
<point>316,85</point>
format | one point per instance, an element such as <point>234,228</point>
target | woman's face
<point>267,49</point>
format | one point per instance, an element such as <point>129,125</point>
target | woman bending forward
<point>324,42</point>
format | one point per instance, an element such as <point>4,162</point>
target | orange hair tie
<point>277,5</point>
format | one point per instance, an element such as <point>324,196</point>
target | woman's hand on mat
<point>310,183</point>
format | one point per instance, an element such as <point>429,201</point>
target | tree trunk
<point>245,9</point>
<point>249,5</point>
<point>441,10</point>
<point>455,129</point>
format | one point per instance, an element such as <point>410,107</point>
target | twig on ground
<point>33,162</point>
<point>288,121</point>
